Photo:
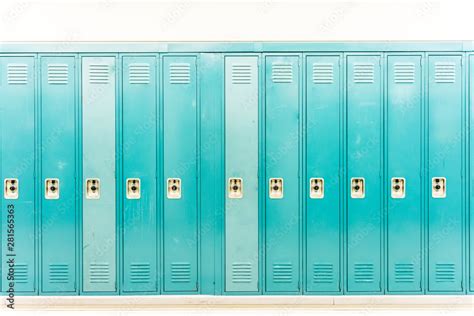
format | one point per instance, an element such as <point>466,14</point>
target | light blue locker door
<point>17,115</point>
<point>282,215</point>
<point>323,130</point>
<point>58,174</point>
<point>445,214</point>
<point>139,154</point>
<point>364,213</point>
<point>98,153</point>
<point>404,212</point>
<point>471,217</point>
<point>241,217</point>
<point>180,218</point>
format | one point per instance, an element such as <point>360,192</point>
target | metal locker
<point>180,138</point>
<point>364,114</point>
<point>445,212</point>
<point>282,212</point>
<point>322,186</point>
<point>58,174</point>
<point>471,168</point>
<point>98,174</point>
<point>139,154</point>
<point>18,160</point>
<point>404,139</point>
<point>241,148</point>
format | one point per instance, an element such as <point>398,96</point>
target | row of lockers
<point>236,173</point>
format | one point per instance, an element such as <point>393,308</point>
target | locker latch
<point>316,190</point>
<point>438,187</point>
<point>357,188</point>
<point>10,191</point>
<point>235,188</point>
<point>276,188</point>
<point>398,188</point>
<point>93,189</point>
<point>133,189</point>
<point>51,189</point>
<point>174,188</point>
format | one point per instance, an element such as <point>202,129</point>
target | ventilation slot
<point>180,272</point>
<point>363,73</point>
<point>282,272</point>
<point>99,273</point>
<point>139,73</point>
<point>58,273</point>
<point>282,73</point>
<point>323,273</point>
<point>404,72</point>
<point>17,73</point>
<point>364,273</point>
<point>99,73</point>
<point>241,74</point>
<point>241,272</point>
<point>445,272</point>
<point>140,273</point>
<point>58,73</point>
<point>323,73</point>
<point>404,273</point>
<point>445,72</point>
<point>21,273</point>
<point>180,73</point>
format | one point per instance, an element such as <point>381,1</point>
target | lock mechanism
<point>276,188</point>
<point>10,191</point>
<point>438,187</point>
<point>357,188</point>
<point>398,188</point>
<point>316,190</point>
<point>51,189</point>
<point>235,188</point>
<point>174,188</point>
<point>133,189</point>
<point>92,189</point>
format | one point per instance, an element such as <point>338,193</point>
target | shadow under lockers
<point>237,173</point>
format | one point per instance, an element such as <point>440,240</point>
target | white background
<point>267,20</point>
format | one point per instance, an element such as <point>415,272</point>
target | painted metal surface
<point>241,130</point>
<point>445,215</point>
<point>58,161</point>
<point>98,154</point>
<point>139,155</point>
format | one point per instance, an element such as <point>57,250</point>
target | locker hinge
<point>197,286</point>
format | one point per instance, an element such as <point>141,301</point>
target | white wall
<point>114,20</point>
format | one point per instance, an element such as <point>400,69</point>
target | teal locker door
<point>17,115</point>
<point>58,174</point>
<point>445,161</point>
<point>282,234</point>
<point>180,218</point>
<point>471,217</point>
<point>98,151</point>
<point>364,106</point>
<point>241,146</point>
<point>139,156</point>
<point>323,232</point>
<point>404,212</point>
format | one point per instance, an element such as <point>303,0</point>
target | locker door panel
<point>282,162</point>
<point>364,106</point>
<point>471,194</point>
<point>139,164</point>
<point>180,163</point>
<point>98,151</point>
<point>404,140</point>
<point>241,123</point>
<point>58,162</point>
<point>322,161</point>
<point>445,160</point>
<point>17,115</point>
